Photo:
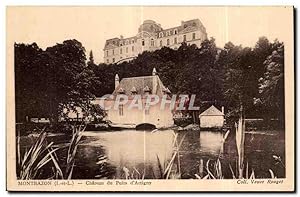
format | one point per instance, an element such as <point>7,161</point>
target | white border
<point>5,3</point>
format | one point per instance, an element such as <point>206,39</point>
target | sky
<point>93,25</point>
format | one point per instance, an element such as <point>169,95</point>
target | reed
<point>72,150</point>
<point>240,144</point>
<point>39,154</point>
<point>165,168</point>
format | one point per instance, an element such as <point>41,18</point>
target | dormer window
<point>147,90</point>
<point>133,90</point>
<point>121,91</point>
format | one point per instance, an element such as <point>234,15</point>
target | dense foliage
<point>235,76</point>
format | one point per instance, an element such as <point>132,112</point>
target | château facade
<point>151,36</point>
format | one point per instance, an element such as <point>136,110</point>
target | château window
<point>120,50</point>
<point>113,51</point>
<point>161,34</point>
<point>175,40</point>
<point>107,61</point>
<point>132,48</point>
<point>126,49</point>
<point>194,36</point>
<point>160,43</point>
<point>168,42</point>
<point>106,53</point>
<point>143,42</point>
<point>175,31</point>
<point>184,38</point>
<point>113,60</point>
<point>152,42</point>
<point>121,112</point>
<point>132,41</point>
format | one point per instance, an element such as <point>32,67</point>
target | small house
<point>212,118</point>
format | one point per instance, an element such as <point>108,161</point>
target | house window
<point>132,41</point>
<point>106,53</point>
<point>121,112</point>
<point>107,61</point>
<point>147,110</point>
<point>143,42</point>
<point>113,60</point>
<point>152,42</point>
<point>175,31</point>
<point>160,43</point>
<point>132,48</point>
<point>184,38</point>
<point>120,50</point>
<point>175,40</point>
<point>113,51</point>
<point>161,34</point>
<point>126,49</point>
<point>168,42</point>
<point>194,36</point>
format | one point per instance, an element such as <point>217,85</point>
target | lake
<point>108,154</point>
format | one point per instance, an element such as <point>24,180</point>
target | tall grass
<point>76,136</point>
<point>165,168</point>
<point>240,144</point>
<point>39,154</point>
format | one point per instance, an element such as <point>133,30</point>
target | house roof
<point>212,111</point>
<point>140,84</point>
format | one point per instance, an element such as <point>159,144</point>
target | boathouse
<point>212,118</point>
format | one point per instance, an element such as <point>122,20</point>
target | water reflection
<point>211,142</point>
<point>133,149</point>
<point>139,150</point>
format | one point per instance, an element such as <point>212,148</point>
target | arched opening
<point>145,126</point>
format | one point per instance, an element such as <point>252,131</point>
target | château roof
<point>141,85</point>
<point>212,111</point>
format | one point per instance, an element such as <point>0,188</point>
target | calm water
<point>138,152</point>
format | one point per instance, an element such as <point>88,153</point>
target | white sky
<point>93,25</point>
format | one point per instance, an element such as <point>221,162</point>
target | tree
<point>91,59</point>
<point>27,81</point>
<point>271,85</point>
<point>51,80</point>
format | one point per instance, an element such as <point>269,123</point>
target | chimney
<point>223,109</point>
<point>121,37</point>
<point>154,72</point>
<point>117,81</point>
